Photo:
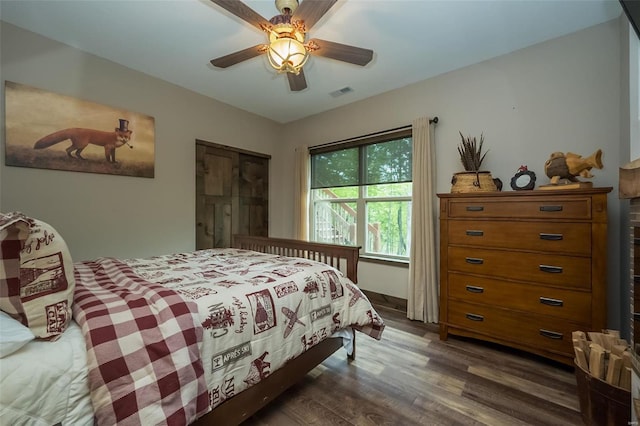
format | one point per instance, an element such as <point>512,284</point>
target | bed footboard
<point>244,405</point>
<point>343,258</point>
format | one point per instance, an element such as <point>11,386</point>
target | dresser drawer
<point>554,269</point>
<point>565,238</point>
<point>531,330</point>
<point>549,301</point>
<point>558,208</point>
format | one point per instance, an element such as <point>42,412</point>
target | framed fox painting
<point>51,131</point>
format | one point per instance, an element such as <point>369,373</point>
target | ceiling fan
<point>287,50</point>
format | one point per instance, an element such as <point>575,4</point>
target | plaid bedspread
<point>142,347</point>
<point>259,310</point>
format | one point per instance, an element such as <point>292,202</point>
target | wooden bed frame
<point>242,406</point>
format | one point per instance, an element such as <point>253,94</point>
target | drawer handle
<point>474,289</point>
<point>636,241</point>
<point>474,260</point>
<point>636,279</point>
<point>550,208</point>
<point>473,233</point>
<point>475,208</point>
<point>551,269</point>
<point>475,317</point>
<point>636,316</point>
<point>551,302</point>
<point>550,237</point>
<point>550,334</point>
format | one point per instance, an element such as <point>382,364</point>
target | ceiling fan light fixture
<point>286,50</point>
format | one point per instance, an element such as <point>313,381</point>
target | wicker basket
<point>472,182</point>
<point>602,404</point>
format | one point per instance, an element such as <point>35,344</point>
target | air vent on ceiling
<point>341,92</point>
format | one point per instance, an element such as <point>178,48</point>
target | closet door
<point>231,194</point>
<point>253,196</point>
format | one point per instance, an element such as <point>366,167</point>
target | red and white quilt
<point>259,310</point>
<point>254,312</point>
<point>142,347</point>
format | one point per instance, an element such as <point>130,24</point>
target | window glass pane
<point>388,161</point>
<point>374,173</point>
<point>335,222</point>
<point>336,168</point>
<point>388,230</point>
<point>389,190</point>
<point>333,193</point>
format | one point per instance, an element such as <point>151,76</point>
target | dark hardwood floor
<point>411,377</point>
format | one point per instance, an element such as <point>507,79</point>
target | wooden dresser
<point>524,268</point>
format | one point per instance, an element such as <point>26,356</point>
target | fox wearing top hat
<point>80,138</point>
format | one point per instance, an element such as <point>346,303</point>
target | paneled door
<point>232,194</point>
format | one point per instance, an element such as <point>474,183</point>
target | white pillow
<point>13,335</point>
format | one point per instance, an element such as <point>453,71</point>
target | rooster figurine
<point>568,166</point>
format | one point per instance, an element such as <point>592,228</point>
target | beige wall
<point>105,215</point>
<point>561,95</point>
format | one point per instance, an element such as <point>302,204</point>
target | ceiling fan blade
<point>244,12</point>
<point>340,52</point>
<point>297,82</point>
<point>239,56</point>
<point>310,11</point>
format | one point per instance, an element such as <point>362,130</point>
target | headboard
<point>343,258</point>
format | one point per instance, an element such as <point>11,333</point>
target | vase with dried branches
<point>471,156</point>
<point>471,153</point>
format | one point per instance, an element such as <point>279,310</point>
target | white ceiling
<point>413,40</point>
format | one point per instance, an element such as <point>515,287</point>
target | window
<point>367,182</point>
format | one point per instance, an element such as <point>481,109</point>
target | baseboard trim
<point>390,302</point>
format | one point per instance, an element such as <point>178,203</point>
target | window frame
<point>362,198</point>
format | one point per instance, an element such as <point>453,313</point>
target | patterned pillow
<point>14,229</point>
<point>36,279</point>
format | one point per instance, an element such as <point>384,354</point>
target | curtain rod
<point>434,120</point>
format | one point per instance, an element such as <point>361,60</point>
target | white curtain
<point>301,194</point>
<point>422,295</point>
